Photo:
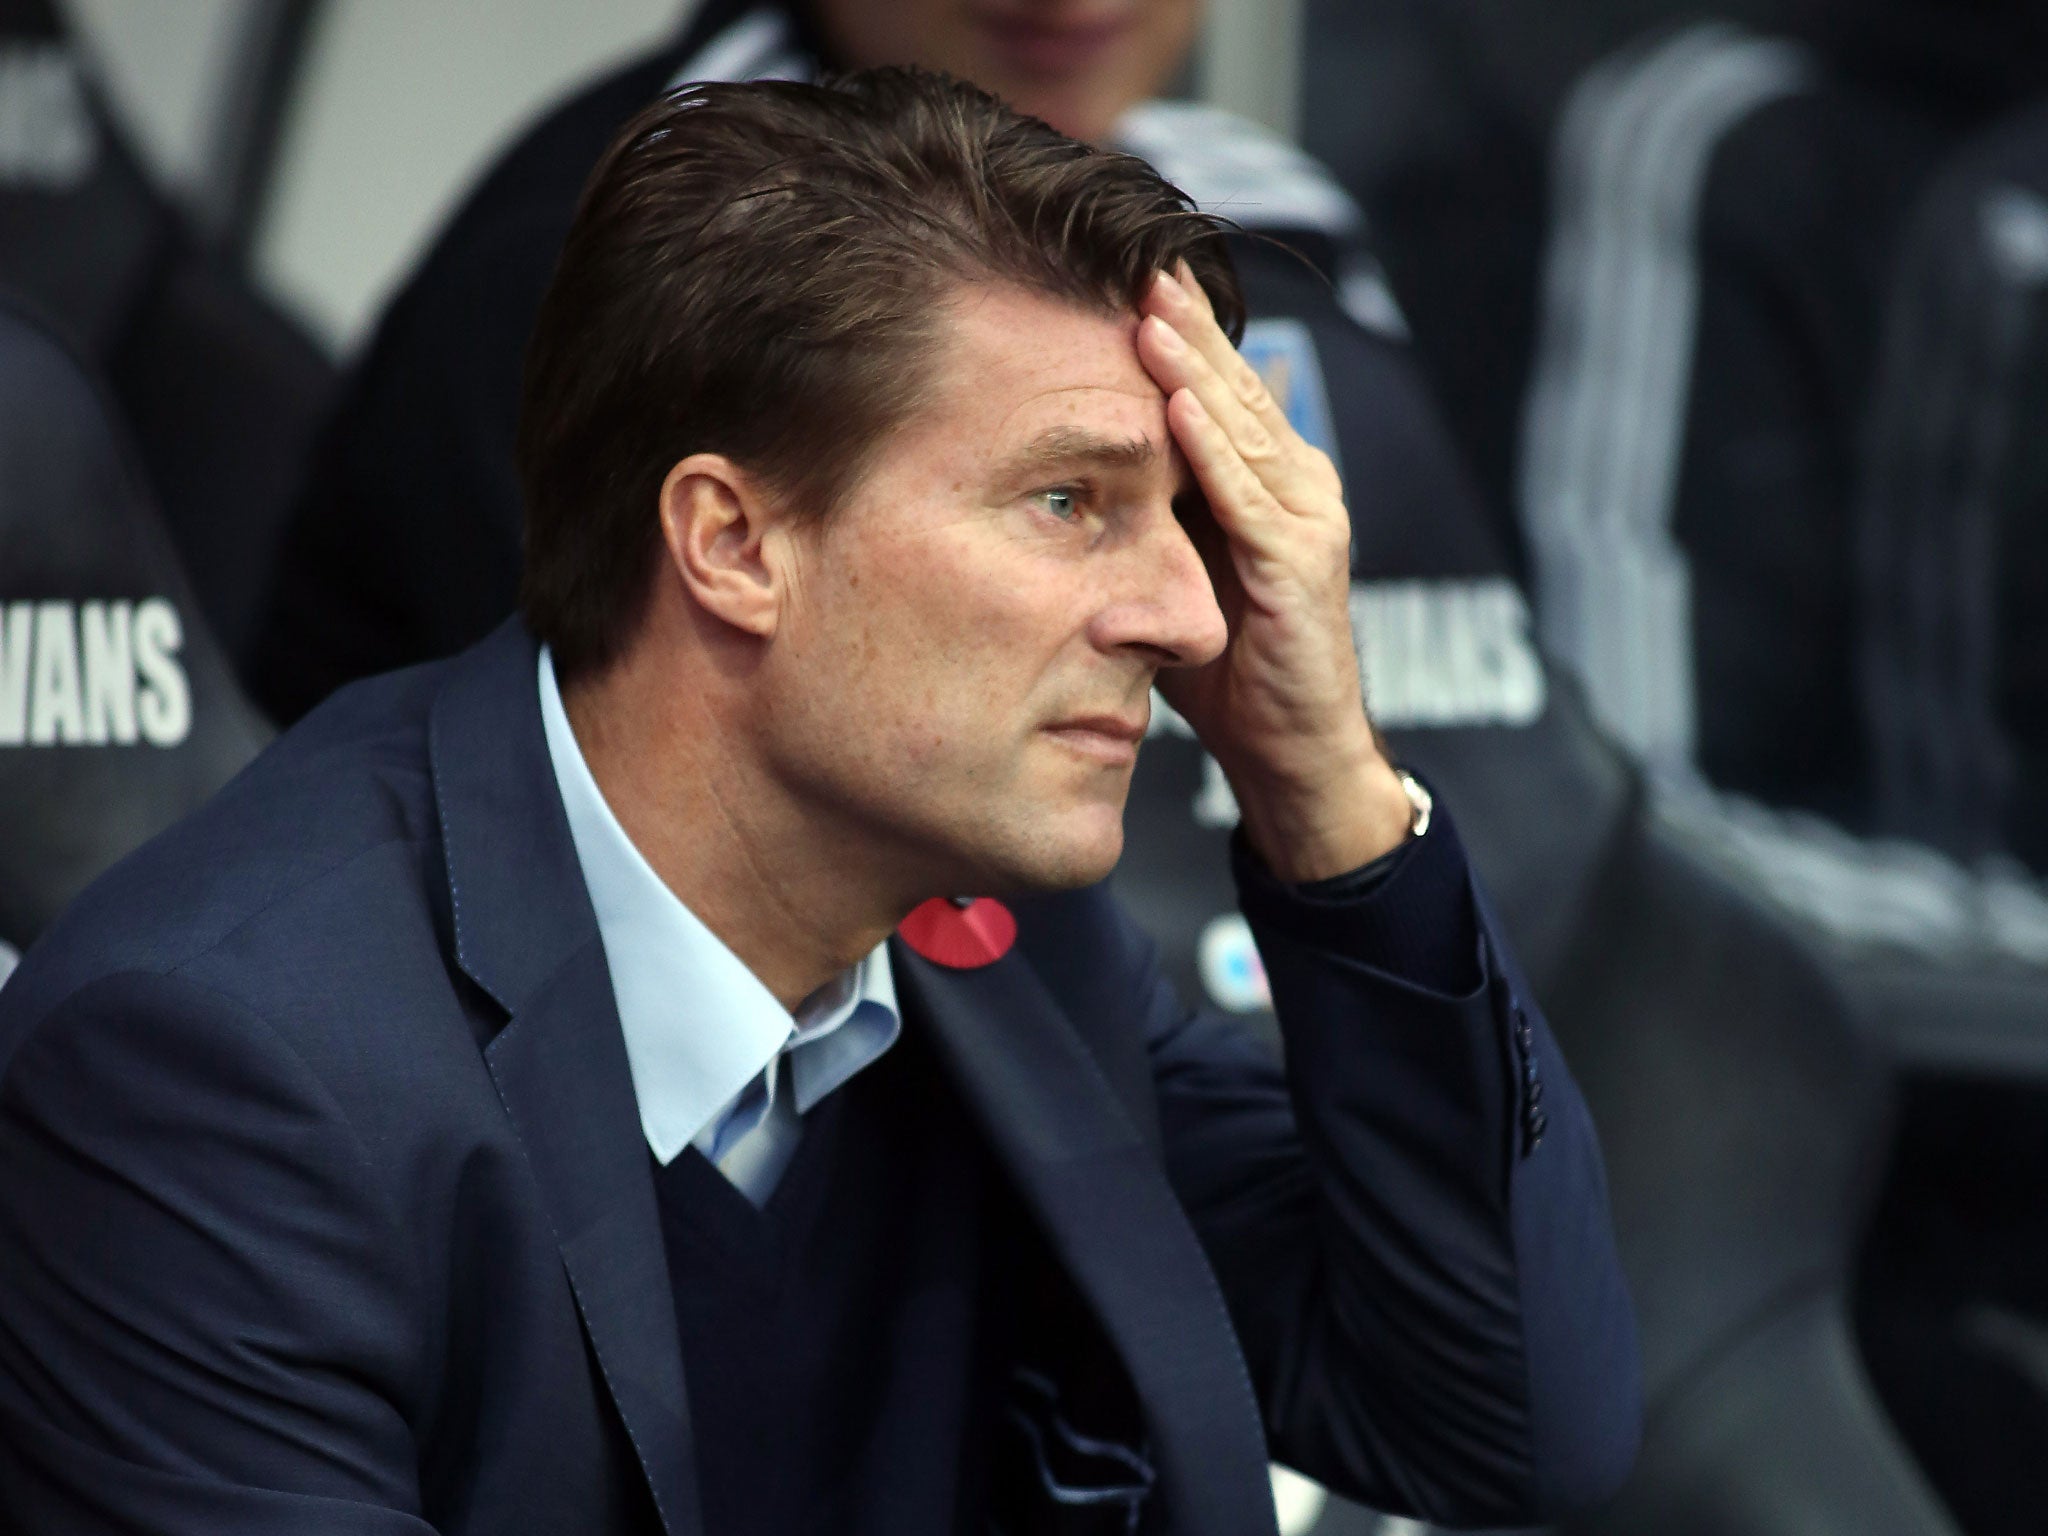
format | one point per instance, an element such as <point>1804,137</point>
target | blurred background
<point>1688,368</point>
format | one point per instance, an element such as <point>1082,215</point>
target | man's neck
<point>778,889</point>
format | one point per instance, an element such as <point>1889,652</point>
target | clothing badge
<point>960,937</point>
<point>1285,355</point>
<point>1232,973</point>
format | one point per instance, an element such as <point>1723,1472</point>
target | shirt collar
<point>698,1025</point>
<point>842,1027</point>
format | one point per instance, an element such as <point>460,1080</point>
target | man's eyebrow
<point>1060,448</point>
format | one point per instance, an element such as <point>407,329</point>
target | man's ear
<point>719,526</point>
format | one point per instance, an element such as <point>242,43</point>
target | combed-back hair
<point>760,270</point>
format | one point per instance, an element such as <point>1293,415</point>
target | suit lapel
<point>1112,1219</point>
<point>524,932</point>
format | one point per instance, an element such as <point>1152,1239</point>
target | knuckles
<point>1248,386</point>
<point>1256,443</point>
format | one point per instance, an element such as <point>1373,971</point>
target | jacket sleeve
<point>1409,1220</point>
<point>203,1297</point>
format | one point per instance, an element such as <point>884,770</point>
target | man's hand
<point>1281,710</point>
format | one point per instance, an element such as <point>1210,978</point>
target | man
<point>506,1109</point>
<point>407,547</point>
<point>405,544</point>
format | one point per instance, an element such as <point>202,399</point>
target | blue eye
<point>1063,502</point>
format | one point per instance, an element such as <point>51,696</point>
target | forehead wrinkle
<point>1107,407</point>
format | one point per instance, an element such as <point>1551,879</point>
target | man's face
<point>964,668</point>
<point>1079,64</point>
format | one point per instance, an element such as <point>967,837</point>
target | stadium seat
<point>222,394</point>
<point>118,712</point>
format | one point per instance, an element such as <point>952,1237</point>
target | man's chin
<point>1051,865</point>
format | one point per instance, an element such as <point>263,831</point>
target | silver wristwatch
<point>1420,801</point>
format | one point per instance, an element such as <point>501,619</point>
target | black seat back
<point>221,392</point>
<point>118,712</point>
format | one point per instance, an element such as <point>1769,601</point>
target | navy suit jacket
<point>324,1203</point>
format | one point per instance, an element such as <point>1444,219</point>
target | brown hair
<point>757,270</point>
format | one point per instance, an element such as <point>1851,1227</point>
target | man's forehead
<point>1016,366</point>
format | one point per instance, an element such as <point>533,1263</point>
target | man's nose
<point>1165,603</point>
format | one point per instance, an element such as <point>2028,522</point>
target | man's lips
<point>1048,48</point>
<point>1109,738</point>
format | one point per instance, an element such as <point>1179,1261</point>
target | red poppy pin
<point>959,933</point>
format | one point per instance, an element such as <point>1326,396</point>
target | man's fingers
<point>1284,465</point>
<point>1185,367</point>
<point>1237,498</point>
<point>1239,394</point>
<point>1183,304</point>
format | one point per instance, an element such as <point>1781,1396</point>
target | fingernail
<point>1167,337</point>
<point>1168,286</point>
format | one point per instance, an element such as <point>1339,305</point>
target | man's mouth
<point>1035,46</point>
<point>1111,739</point>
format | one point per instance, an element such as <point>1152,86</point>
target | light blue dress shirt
<point>717,1062</point>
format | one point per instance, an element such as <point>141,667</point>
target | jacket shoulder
<point>274,850</point>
